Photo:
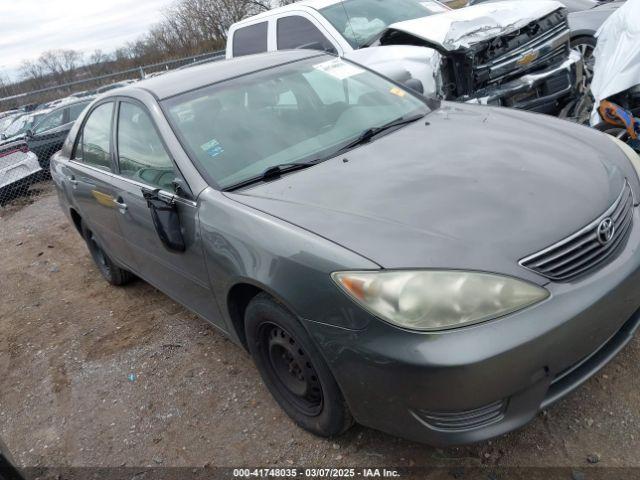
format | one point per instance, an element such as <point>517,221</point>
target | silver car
<point>437,271</point>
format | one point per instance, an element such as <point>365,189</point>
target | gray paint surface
<point>477,188</point>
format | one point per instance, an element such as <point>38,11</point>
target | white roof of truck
<point>314,4</point>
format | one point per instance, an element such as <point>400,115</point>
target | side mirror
<point>415,84</point>
<point>166,220</point>
<point>3,136</point>
<point>181,189</point>
<point>29,133</point>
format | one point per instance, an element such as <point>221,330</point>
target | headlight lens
<point>631,154</point>
<point>431,300</point>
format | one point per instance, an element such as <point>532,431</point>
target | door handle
<point>122,207</point>
<point>72,180</point>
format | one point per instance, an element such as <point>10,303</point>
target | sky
<point>29,27</point>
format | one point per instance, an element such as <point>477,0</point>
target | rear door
<point>143,162</point>
<point>90,175</point>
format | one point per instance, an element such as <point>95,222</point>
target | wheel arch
<point>238,298</point>
<point>77,219</point>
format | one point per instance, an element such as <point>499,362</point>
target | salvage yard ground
<point>92,375</point>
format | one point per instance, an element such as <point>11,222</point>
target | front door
<point>143,162</point>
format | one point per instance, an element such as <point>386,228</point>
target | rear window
<point>250,40</point>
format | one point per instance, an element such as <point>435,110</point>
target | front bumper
<point>478,382</point>
<point>544,91</point>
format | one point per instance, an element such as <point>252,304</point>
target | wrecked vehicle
<point>585,18</point>
<point>19,168</point>
<point>512,54</point>
<point>616,81</point>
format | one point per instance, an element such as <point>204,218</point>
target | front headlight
<point>429,300</point>
<point>631,154</point>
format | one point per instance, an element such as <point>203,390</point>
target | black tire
<point>293,370</point>
<point>109,270</point>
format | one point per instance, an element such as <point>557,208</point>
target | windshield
<point>17,126</point>
<point>360,21</point>
<point>5,122</point>
<point>22,124</point>
<point>298,112</point>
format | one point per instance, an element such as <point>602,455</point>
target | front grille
<point>541,44</point>
<point>585,249</point>
<point>464,420</point>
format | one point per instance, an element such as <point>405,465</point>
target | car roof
<point>315,4</point>
<point>181,81</point>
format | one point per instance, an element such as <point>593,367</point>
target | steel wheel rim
<point>588,62</point>
<point>293,373</point>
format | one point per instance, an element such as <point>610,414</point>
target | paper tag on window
<point>398,92</point>
<point>339,69</point>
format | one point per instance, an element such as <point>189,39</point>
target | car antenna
<point>346,13</point>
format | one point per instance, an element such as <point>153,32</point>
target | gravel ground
<point>93,375</point>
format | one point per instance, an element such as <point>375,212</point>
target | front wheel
<point>586,45</point>
<point>293,370</point>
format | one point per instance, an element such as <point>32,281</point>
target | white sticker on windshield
<point>339,69</point>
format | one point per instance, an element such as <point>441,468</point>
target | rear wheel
<point>293,370</point>
<point>109,270</point>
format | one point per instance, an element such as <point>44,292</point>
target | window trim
<point>116,125</point>
<point>80,134</point>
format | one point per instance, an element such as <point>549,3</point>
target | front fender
<point>243,245</point>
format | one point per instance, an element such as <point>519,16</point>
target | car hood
<point>477,188</point>
<point>465,27</point>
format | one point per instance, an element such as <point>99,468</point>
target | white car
<point>18,168</point>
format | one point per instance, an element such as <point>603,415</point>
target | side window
<point>141,154</point>
<point>250,40</point>
<point>53,120</point>
<point>296,32</point>
<point>75,110</point>
<point>95,143</point>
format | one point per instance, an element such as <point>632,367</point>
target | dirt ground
<point>93,375</point>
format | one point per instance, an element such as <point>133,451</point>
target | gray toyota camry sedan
<point>437,271</point>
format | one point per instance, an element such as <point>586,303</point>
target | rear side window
<point>141,154</point>
<point>94,147</point>
<point>296,32</point>
<point>76,109</point>
<point>250,40</point>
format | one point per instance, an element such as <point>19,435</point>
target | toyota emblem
<point>606,230</point>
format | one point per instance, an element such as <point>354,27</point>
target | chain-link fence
<point>34,131</point>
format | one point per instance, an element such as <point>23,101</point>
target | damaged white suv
<point>514,54</point>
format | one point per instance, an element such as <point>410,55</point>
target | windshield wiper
<point>370,133</point>
<point>276,171</point>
